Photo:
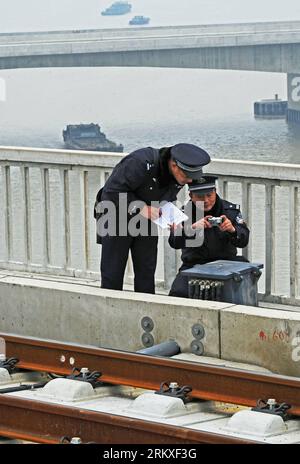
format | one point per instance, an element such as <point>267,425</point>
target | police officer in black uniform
<point>147,175</point>
<point>220,241</point>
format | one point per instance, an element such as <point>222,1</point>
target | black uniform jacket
<point>144,176</point>
<point>141,178</point>
<point>217,244</point>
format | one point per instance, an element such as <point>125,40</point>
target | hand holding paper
<point>170,214</point>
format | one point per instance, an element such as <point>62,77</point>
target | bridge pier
<point>293,110</point>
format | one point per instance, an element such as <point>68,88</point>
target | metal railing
<point>47,225</point>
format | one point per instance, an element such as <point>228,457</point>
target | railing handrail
<point>224,167</point>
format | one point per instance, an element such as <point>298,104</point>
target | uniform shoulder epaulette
<point>150,166</point>
<point>231,205</point>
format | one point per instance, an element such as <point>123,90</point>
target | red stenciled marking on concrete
<point>281,336</point>
<point>277,336</point>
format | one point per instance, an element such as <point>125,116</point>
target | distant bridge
<point>264,46</point>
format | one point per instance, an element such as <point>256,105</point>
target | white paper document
<point>170,214</point>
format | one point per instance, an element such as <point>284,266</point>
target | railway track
<point>44,422</point>
<point>47,423</point>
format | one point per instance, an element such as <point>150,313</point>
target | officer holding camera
<point>223,229</point>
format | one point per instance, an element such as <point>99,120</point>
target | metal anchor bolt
<point>84,371</point>
<point>173,385</point>
<point>75,441</point>
<point>271,403</point>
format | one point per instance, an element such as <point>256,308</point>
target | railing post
<point>171,255</point>
<point>27,215</point>
<point>270,238</point>
<point>64,179</point>
<point>46,215</point>
<point>246,208</point>
<point>223,188</point>
<point>294,241</point>
<point>86,212</point>
<point>8,213</point>
<point>170,263</point>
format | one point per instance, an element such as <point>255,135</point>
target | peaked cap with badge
<point>190,159</point>
<point>204,185</point>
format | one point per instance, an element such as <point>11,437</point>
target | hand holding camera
<point>225,225</point>
<point>201,224</point>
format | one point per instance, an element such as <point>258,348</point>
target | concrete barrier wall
<point>267,337</point>
<point>112,319</point>
<point>87,314</point>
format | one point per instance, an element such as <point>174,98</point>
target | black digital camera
<point>215,221</point>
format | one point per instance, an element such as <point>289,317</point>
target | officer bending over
<point>222,235</point>
<point>147,175</point>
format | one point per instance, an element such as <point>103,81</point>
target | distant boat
<point>139,20</point>
<point>88,137</point>
<point>270,108</point>
<point>117,8</point>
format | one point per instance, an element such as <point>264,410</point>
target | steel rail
<point>43,422</point>
<point>125,368</point>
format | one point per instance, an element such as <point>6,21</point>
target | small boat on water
<point>117,8</point>
<point>88,137</point>
<point>139,20</point>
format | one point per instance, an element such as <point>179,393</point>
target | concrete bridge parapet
<point>86,314</point>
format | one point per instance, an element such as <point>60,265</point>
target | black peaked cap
<point>190,159</point>
<point>204,185</point>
